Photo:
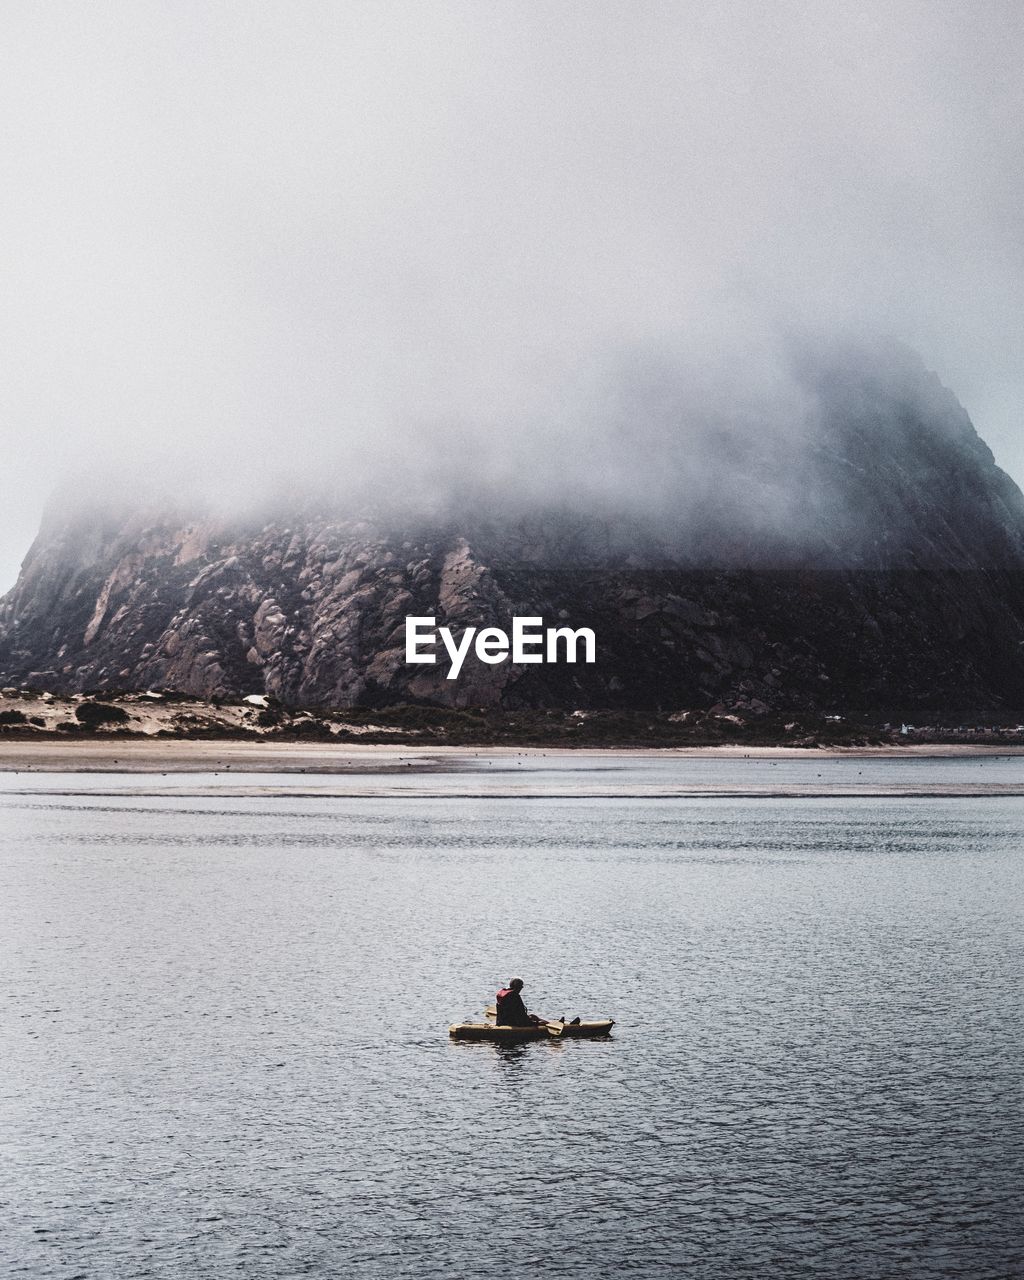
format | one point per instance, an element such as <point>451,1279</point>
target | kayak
<point>540,1031</point>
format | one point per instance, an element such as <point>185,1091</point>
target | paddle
<point>492,1012</point>
<point>554,1029</point>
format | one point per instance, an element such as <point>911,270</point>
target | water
<point>226,1003</point>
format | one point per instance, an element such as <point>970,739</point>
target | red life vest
<point>510,1010</point>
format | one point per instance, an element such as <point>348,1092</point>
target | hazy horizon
<point>246,241</point>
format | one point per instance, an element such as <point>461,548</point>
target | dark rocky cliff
<point>872,566</point>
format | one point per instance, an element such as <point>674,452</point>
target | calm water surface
<point>225,1048</point>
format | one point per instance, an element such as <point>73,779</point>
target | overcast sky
<point>237,234</point>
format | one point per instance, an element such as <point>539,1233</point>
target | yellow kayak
<point>538,1031</point>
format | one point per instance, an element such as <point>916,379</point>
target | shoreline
<point>241,756</point>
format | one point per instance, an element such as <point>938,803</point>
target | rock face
<point>881,576</point>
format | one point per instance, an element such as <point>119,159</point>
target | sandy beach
<point>202,756</point>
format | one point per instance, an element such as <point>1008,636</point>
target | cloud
<point>244,241</point>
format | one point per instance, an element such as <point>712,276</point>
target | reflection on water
<point>226,1055</point>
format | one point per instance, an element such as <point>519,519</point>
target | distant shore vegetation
<point>32,713</point>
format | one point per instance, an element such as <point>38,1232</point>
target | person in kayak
<point>509,1008</point>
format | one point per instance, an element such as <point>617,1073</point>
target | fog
<point>254,244</point>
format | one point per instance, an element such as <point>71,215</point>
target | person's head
<point>515,984</point>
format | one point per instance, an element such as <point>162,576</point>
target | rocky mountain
<point>870,563</point>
